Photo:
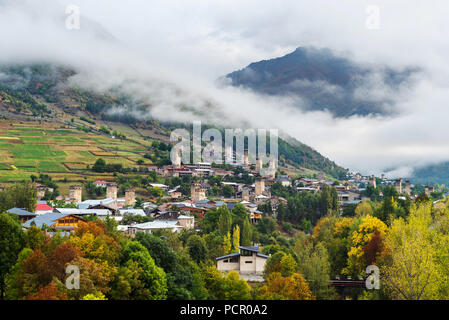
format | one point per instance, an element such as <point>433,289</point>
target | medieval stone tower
<point>111,190</point>
<point>260,186</point>
<point>197,192</point>
<point>259,165</point>
<point>407,187</point>
<point>246,158</point>
<point>130,197</point>
<point>245,194</point>
<point>176,159</point>
<point>398,185</point>
<point>76,193</point>
<point>372,181</point>
<point>272,169</point>
<point>41,192</point>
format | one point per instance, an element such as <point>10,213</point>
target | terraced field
<point>61,151</point>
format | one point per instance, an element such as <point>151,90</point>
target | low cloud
<point>168,56</point>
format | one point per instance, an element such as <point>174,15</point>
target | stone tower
<point>130,197</point>
<point>272,169</point>
<point>372,181</point>
<point>245,194</point>
<point>111,190</point>
<point>197,192</point>
<point>246,158</point>
<point>407,187</point>
<point>398,185</point>
<point>41,192</point>
<point>259,165</point>
<point>176,159</point>
<point>76,193</point>
<point>260,186</point>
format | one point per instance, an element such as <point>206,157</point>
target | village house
<point>149,227</point>
<point>100,213</point>
<point>56,221</point>
<point>101,183</point>
<point>132,212</point>
<point>247,261</point>
<point>159,185</point>
<point>107,204</point>
<point>23,215</point>
<point>42,208</point>
<point>347,195</point>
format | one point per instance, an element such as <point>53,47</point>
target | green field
<point>63,152</point>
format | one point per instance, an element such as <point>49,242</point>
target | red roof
<point>43,207</point>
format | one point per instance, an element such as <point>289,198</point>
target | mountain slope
<point>41,92</point>
<point>321,80</point>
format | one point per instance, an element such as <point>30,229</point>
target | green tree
<point>288,265</point>
<point>363,209</point>
<point>153,276</point>
<point>224,220</point>
<point>19,195</point>
<point>227,191</point>
<point>236,288</point>
<point>99,165</point>
<point>246,233</point>
<point>11,243</point>
<point>313,263</point>
<point>197,248</point>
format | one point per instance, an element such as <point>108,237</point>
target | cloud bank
<point>168,56</point>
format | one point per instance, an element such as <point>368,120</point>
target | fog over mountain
<point>168,59</point>
<point>321,80</point>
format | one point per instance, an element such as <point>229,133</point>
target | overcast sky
<point>168,52</point>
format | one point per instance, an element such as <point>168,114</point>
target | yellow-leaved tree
<point>367,229</point>
<point>413,247</point>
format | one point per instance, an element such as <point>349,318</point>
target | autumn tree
<point>236,238</point>
<point>288,265</point>
<point>235,288</point>
<point>412,246</point>
<point>278,287</point>
<point>363,209</point>
<point>49,292</point>
<point>359,240</point>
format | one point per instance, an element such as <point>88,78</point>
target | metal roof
<point>228,256</point>
<point>21,212</point>
<point>47,219</point>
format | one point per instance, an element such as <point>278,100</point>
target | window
<point>248,262</point>
<point>246,253</point>
<point>234,259</point>
<point>226,261</point>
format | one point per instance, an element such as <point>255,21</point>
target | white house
<point>149,227</point>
